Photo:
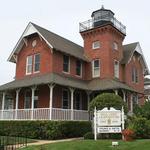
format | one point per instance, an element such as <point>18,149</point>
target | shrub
<point>141,127</point>
<point>89,135</point>
<point>45,129</point>
<point>143,111</point>
<point>108,100</point>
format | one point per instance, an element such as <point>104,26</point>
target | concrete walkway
<point>41,142</point>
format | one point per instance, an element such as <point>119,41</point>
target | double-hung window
<point>96,45</point>
<point>96,68</point>
<point>29,65</point>
<point>116,69</point>
<point>78,68</point>
<point>65,99</point>
<point>66,63</point>
<point>134,75</point>
<point>36,63</point>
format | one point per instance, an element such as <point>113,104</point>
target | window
<point>29,65</point>
<point>96,68</point>
<point>66,64</point>
<point>134,75</point>
<point>27,100</point>
<point>95,45</point>
<point>78,68</point>
<point>36,62</point>
<point>135,99</point>
<point>115,46</point>
<point>65,99</point>
<point>77,100</point>
<point>36,99</point>
<point>116,69</point>
<point>8,102</point>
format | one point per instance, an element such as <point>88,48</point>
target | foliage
<point>45,129</point>
<point>108,100</point>
<point>143,111</point>
<point>141,127</point>
<point>89,135</point>
<point>128,132</point>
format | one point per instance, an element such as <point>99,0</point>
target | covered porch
<point>54,97</point>
<point>44,102</point>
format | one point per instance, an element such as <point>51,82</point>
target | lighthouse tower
<point>103,35</point>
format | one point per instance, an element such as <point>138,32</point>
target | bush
<point>143,111</point>
<point>45,129</point>
<point>108,100</point>
<point>141,127</point>
<point>89,135</point>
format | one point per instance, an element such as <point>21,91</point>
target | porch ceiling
<point>93,85</point>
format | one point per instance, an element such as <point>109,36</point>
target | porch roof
<point>93,85</point>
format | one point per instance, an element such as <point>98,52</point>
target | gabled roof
<point>54,41</point>
<point>128,52</point>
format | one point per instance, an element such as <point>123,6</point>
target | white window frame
<point>93,69</point>
<point>115,45</point>
<point>68,65</point>
<point>80,69</point>
<point>135,75</point>
<point>96,45</point>
<point>63,98</point>
<point>116,74</point>
<point>27,61</point>
<point>34,63</point>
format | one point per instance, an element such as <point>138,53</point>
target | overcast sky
<point>63,17</point>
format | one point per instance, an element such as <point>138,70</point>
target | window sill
<point>65,72</point>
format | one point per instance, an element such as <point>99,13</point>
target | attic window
<point>34,43</point>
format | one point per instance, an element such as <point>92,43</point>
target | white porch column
<point>72,99</point>
<point>116,92</point>
<point>32,103</point>
<point>131,103</point>
<point>124,95</point>
<point>3,104</point>
<point>51,86</point>
<point>17,99</point>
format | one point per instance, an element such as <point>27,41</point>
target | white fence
<point>43,114</point>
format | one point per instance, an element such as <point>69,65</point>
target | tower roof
<point>102,9</point>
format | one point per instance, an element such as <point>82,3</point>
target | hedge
<point>45,129</point>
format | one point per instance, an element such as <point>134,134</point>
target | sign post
<point>95,124</point>
<point>108,121</point>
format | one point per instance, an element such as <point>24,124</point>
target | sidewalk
<point>41,142</point>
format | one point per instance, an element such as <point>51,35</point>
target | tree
<point>108,100</point>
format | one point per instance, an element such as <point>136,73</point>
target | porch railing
<point>43,114</point>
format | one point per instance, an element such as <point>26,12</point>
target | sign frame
<point>108,121</point>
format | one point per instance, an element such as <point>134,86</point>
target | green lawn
<point>94,145</point>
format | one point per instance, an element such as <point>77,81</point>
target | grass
<point>93,145</point>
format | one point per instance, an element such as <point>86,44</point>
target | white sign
<point>107,117</point>
<point>109,129</point>
<point>108,121</point>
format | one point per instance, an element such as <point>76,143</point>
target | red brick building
<point>56,78</point>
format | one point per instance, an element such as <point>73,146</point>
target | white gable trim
<point>139,50</point>
<point>30,29</point>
